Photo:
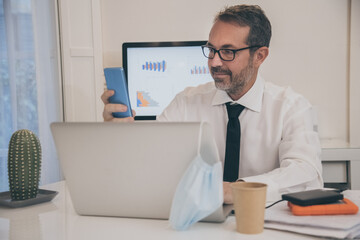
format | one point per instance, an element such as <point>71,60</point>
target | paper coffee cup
<point>249,204</point>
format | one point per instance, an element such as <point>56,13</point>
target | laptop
<point>130,169</point>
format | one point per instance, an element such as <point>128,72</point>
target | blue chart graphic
<point>200,70</point>
<point>155,66</point>
<point>143,99</point>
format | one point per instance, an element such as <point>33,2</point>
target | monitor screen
<point>157,71</point>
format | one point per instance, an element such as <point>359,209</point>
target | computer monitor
<point>157,71</point>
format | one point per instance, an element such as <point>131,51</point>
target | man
<point>278,144</point>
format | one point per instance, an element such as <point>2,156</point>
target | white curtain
<point>30,85</point>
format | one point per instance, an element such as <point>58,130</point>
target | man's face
<point>235,77</point>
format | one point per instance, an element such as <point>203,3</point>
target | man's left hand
<point>228,199</point>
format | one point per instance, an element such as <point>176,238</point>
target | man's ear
<point>260,56</point>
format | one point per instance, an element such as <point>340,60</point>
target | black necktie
<point>232,151</point>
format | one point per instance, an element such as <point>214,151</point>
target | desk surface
<point>58,220</point>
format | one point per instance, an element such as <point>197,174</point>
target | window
<point>29,79</point>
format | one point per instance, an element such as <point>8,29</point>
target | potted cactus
<point>24,163</point>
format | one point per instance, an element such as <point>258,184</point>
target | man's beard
<point>237,82</point>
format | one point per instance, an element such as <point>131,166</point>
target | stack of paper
<point>280,217</point>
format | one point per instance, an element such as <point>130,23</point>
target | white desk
<point>57,220</point>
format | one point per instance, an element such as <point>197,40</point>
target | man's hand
<point>228,199</point>
<point>109,108</point>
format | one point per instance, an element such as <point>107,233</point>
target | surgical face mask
<point>199,192</point>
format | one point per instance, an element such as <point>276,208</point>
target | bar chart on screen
<point>154,66</point>
<point>199,70</point>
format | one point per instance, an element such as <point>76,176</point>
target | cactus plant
<point>24,163</point>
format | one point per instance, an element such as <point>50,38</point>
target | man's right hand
<point>109,108</point>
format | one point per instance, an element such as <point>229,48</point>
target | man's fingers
<point>114,107</point>
<point>227,193</point>
<point>105,96</point>
<point>111,108</point>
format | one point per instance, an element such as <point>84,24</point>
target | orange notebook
<point>344,206</point>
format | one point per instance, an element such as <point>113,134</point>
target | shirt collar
<point>251,100</point>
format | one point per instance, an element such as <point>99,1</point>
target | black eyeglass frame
<point>232,50</point>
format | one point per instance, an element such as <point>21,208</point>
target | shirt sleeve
<point>174,111</point>
<point>299,155</point>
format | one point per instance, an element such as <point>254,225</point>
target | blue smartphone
<point>116,80</point>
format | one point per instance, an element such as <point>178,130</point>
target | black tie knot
<point>234,110</point>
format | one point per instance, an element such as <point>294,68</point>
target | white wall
<point>354,68</point>
<point>310,48</point>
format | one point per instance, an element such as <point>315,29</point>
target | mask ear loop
<point>207,165</point>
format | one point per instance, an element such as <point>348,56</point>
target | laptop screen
<point>157,71</point>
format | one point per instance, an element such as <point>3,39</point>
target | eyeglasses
<point>224,54</point>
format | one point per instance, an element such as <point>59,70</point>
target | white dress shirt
<point>278,144</point>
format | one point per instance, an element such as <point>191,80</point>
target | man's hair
<point>252,16</point>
